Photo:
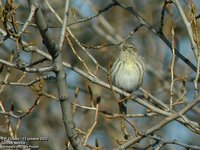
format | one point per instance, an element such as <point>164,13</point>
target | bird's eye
<point>129,47</point>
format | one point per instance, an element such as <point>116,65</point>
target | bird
<point>127,71</point>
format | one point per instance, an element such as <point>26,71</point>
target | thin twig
<point>7,74</point>
<point>93,126</point>
<point>99,12</point>
<point>28,21</point>
<point>165,142</point>
<point>7,116</point>
<point>79,58</point>
<point>64,24</point>
<point>26,69</point>
<point>172,69</point>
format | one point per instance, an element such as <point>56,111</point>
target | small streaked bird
<point>127,71</point>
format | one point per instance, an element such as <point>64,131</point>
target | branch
<point>33,9</point>
<point>26,69</point>
<point>188,27</point>
<point>164,141</point>
<point>56,55</point>
<point>99,12</point>
<point>160,125</point>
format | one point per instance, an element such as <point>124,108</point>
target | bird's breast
<point>127,77</point>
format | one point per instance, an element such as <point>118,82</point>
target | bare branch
<point>160,125</point>
<point>60,75</point>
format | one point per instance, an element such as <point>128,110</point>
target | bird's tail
<point>122,105</point>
